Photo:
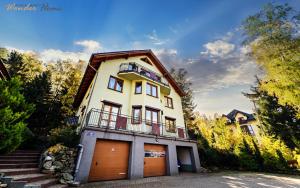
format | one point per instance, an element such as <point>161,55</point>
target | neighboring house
<point>3,72</point>
<point>131,119</point>
<point>247,122</point>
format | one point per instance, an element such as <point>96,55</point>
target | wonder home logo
<point>31,7</point>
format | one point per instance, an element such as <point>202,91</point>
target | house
<point>131,119</point>
<point>4,75</point>
<point>247,122</point>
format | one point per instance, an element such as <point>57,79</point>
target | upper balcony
<point>134,71</point>
<point>122,123</point>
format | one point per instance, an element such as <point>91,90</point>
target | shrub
<point>14,110</point>
<point>66,135</point>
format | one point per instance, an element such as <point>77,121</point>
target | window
<point>136,115</point>
<point>170,125</point>
<point>169,102</point>
<point>151,90</point>
<point>138,87</point>
<point>115,84</point>
<point>109,115</point>
<point>248,129</point>
<point>151,116</point>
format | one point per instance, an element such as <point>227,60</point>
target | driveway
<point>210,180</point>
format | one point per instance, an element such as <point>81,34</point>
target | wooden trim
<point>152,85</point>
<point>170,129</point>
<point>169,98</point>
<point>115,85</point>
<point>141,88</point>
<point>134,121</point>
<point>112,103</point>
<point>151,119</point>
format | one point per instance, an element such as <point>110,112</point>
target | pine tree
<point>188,104</point>
<point>276,119</point>
<point>14,111</point>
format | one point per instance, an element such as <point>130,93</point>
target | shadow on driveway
<point>226,179</point>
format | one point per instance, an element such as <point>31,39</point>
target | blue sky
<point>201,36</point>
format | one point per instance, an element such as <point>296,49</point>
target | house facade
<point>247,122</point>
<point>131,119</point>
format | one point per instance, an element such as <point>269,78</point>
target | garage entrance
<point>184,159</point>
<point>110,160</point>
<point>154,160</point>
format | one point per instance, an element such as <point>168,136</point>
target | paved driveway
<point>211,180</point>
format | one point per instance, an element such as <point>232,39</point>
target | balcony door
<point>109,115</point>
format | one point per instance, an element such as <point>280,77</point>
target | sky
<point>202,36</point>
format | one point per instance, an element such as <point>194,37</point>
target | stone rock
<point>47,165</point>
<point>48,158</point>
<point>67,176</point>
<point>62,181</point>
<point>58,164</point>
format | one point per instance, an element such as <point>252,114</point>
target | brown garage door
<point>110,160</point>
<point>154,160</point>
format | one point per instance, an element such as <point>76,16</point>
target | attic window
<point>145,59</point>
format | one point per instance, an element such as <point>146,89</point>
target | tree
<point>27,66</point>
<point>276,119</point>
<point>14,111</point>
<point>275,46</point>
<point>188,105</point>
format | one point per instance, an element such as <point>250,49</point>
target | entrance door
<point>110,160</point>
<point>154,160</point>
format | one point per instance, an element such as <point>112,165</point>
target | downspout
<point>80,147</point>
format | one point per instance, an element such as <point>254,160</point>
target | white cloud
<point>89,45</point>
<point>52,55</point>
<point>155,39</point>
<point>218,48</point>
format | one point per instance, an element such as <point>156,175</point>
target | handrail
<point>139,69</point>
<point>117,121</point>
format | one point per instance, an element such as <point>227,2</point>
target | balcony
<point>119,122</point>
<point>134,71</point>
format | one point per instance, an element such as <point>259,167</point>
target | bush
<point>220,146</point>
<point>14,110</point>
<point>66,135</point>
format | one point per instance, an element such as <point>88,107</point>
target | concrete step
<point>17,171</point>
<point>58,186</point>
<point>19,157</point>
<point>30,177</point>
<point>23,154</point>
<point>43,183</point>
<point>23,165</point>
<point>20,161</point>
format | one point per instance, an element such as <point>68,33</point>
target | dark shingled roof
<point>233,113</point>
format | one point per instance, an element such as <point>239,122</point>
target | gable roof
<point>3,72</point>
<point>234,112</point>
<point>97,58</point>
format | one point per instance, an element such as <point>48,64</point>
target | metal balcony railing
<point>139,69</point>
<point>112,121</point>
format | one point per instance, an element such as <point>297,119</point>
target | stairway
<point>21,170</point>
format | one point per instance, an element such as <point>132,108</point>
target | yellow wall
<point>127,98</point>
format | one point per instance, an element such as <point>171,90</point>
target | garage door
<point>110,160</point>
<point>154,160</point>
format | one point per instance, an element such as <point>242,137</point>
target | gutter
<point>80,147</point>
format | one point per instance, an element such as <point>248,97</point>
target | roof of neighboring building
<point>3,72</point>
<point>97,58</point>
<point>234,112</point>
